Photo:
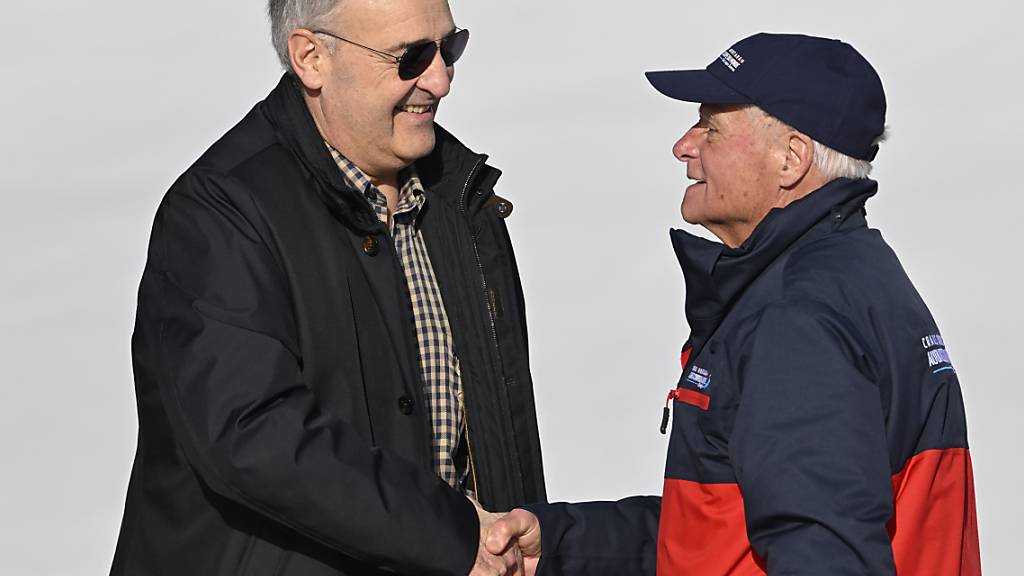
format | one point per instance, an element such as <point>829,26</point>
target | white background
<point>103,104</point>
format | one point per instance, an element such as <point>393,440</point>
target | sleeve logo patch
<point>938,357</point>
<point>699,377</point>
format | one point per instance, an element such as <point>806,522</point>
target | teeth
<point>416,109</point>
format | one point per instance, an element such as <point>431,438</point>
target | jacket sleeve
<point>599,538</point>
<point>809,447</point>
<point>221,340</point>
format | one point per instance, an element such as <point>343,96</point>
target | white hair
<point>834,164</point>
<point>830,163</point>
<point>287,15</point>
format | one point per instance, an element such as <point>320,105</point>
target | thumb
<point>513,526</point>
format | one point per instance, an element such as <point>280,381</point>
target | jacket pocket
<point>525,438</point>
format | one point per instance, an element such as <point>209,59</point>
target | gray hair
<point>830,163</point>
<point>287,15</point>
<point>834,164</point>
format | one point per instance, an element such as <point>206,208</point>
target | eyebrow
<point>705,115</point>
<point>406,44</point>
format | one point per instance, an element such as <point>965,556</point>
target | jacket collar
<point>717,275</point>
<point>447,172</point>
<point>458,175</point>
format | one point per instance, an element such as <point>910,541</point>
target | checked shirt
<point>439,366</point>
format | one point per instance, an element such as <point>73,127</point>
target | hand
<point>517,527</point>
<point>488,564</point>
<point>505,563</point>
<point>487,519</point>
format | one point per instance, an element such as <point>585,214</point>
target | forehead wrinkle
<point>710,112</point>
<point>712,109</point>
<point>386,21</point>
<point>408,43</point>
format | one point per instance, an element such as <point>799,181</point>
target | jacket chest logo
<point>699,377</point>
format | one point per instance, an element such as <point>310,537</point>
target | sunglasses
<point>417,58</point>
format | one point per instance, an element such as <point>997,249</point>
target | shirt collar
<point>411,198</point>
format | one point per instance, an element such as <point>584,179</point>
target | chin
<point>690,214</point>
<point>413,149</point>
<point>691,220</point>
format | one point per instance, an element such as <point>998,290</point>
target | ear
<point>307,54</point>
<point>798,150</point>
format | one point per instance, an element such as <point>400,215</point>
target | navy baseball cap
<point>821,87</point>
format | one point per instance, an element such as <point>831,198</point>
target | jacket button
<point>504,208</point>
<point>370,246</point>
<point>405,405</point>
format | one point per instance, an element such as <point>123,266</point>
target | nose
<point>437,78</point>
<point>687,148</point>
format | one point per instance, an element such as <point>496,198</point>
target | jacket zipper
<point>490,317</point>
<point>476,255</point>
<point>667,412</point>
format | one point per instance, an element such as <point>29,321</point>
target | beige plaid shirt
<point>439,366</point>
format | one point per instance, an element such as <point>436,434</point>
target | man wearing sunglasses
<point>330,347</point>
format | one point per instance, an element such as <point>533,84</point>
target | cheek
<point>374,99</point>
<point>728,190</point>
<point>719,178</point>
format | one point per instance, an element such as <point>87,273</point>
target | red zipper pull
<point>666,412</point>
<point>684,357</point>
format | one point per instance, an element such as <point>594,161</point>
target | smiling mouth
<point>416,109</point>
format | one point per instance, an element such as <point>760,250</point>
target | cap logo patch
<point>732,59</point>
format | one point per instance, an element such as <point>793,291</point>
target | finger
<point>499,537</point>
<point>513,526</point>
<point>504,530</point>
<point>510,560</point>
<point>483,567</point>
<point>530,566</point>
<point>520,564</point>
<point>497,564</point>
<point>490,565</point>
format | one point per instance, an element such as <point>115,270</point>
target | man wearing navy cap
<point>818,425</point>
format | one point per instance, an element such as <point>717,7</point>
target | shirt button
<point>370,246</point>
<point>405,405</point>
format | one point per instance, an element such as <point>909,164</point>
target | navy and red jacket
<point>818,426</point>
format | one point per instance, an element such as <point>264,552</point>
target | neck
<point>736,234</point>
<point>384,180</point>
<point>389,188</point>
<point>806,185</point>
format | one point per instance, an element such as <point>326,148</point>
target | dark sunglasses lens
<point>416,60</point>
<point>453,46</point>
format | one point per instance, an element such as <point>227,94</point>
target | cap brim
<point>694,86</point>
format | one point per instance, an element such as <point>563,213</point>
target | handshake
<point>509,543</point>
